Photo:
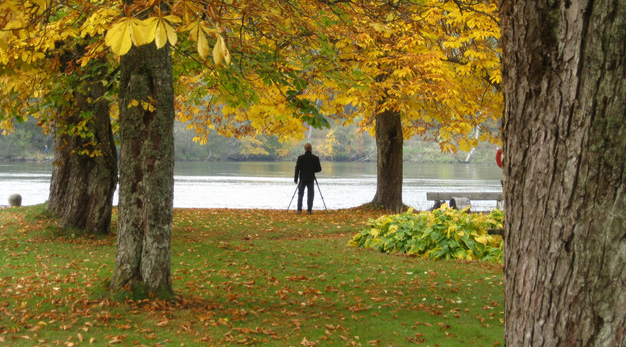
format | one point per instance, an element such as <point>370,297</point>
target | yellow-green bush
<point>444,233</point>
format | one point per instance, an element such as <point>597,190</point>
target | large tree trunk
<point>146,170</point>
<point>564,68</point>
<point>82,186</point>
<point>389,141</point>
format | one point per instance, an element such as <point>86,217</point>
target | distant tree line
<point>26,141</point>
<point>340,143</point>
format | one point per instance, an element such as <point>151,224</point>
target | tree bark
<point>82,186</point>
<point>389,141</point>
<point>146,170</point>
<point>564,68</point>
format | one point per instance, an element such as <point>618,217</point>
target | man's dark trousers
<point>310,190</point>
<point>306,167</point>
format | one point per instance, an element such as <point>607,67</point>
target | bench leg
<point>437,205</point>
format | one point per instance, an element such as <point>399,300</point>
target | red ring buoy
<point>499,157</point>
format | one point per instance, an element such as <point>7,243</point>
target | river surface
<point>269,185</point>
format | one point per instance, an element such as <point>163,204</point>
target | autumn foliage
<point>275,67</point>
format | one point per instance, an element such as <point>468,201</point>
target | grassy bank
<point>242,277</point>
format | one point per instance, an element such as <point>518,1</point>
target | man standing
<point>306,167</point>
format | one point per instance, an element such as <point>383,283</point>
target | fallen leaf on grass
<point>359,308</point>
<point>204,318</point>
<point>306,342</point>
<point>35,328</point>
<point>419,338</point>
<point>296,278</point>
<point>424,324</point>
<point>116,339</point>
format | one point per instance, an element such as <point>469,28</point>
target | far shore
<point>51,158</point>
<point>40,159</point>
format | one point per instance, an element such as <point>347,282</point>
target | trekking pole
<point>318,188</point>
<point>294,195</point>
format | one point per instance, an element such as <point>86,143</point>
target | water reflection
<point>269,185</point>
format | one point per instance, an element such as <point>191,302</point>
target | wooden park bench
<point>461,200</point>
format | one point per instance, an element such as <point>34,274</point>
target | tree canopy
<point>271,67</point>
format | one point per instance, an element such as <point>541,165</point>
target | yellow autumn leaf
<point>197,28</point>
<point>194,29</point>
<point>200,140</point>
<point>15,24</point>
<point>208,30</point>
<point>97,23</point>
<point>173,19</point>
<point>160,37</point>
<point>133,103</point>
<point>379,27</point>
<point>159,30</point>
<point>172,38</point>
<point>136,32</point>
<point>464,145</point>
<point>42,4</point>
<point>147,106</point>
<point>203,45</point>
<point>496,77</point>
<point>124,34</point>
<point>219,51</point>
<point>150,27</point>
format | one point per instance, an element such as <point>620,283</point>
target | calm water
<point>269,185</point>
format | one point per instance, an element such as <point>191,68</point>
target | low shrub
<point>444,233</point>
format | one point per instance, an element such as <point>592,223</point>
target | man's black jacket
<point>306,167</point>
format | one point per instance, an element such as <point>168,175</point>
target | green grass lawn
<point>242,277</point>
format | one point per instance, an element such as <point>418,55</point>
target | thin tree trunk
<point>82,186</point>
<point>146,170</point>
<point>389,141</point>
<point>471,152</point>
<point>564,68</point>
